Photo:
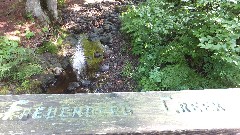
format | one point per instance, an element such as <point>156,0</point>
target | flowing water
<point>83,66</point>
<point>78,60</point>
<point>63,81</point>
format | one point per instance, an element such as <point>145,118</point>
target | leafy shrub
<point>16,63</point>
<point>185,44</point>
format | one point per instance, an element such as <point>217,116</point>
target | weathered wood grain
<point>203,111</point>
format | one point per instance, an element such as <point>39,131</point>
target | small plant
<point>128,70</point>
<point>45,29</point>
<point>61,3</point>
<point>61,36</point>
<point>60,40</point>
<point>24,87</point>
<point>29,34</point>
<point>30,17</point>
<point>47,47</point>
<point>29,87</point>
<point>4,90</point>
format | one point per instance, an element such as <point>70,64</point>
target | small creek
<point>104,56</point>
<point>85,62</point>
<point>63,81</point>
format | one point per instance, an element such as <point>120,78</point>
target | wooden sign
<point>144,112</point>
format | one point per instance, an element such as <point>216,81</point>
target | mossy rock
<point>90,49</point>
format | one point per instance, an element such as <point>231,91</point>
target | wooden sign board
<point>144,112</point>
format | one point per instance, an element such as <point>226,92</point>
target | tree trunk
<point>45,11</point>
<point>52,7</point>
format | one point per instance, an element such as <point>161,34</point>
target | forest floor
<point>14,23</point>
<point>99,20</point>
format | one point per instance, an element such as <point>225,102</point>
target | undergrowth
<point>47,46</point>
<point>17,64</point>
<point>185,44</point>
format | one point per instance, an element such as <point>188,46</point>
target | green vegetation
<point>4,90</point>
<point>45,29</point>
<point>29,34</point>
<point>60,36</point>
<point>28,87</point>
<point>55,43</point>
<point>30,17</point>
<point>47,47</point>
<point>185,44</point>
<point>128,70</point>
<point>17,64</point>
<point>61,3</point>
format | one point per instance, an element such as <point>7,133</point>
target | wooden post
<point>187,112</point>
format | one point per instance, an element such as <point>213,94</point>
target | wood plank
<point>202,111</point>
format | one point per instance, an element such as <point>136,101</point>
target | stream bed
<point>95,50</point>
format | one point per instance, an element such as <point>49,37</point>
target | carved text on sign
<point>199,107</point>
<point>51,112</point>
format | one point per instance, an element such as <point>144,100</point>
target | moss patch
<point>90,49</point>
